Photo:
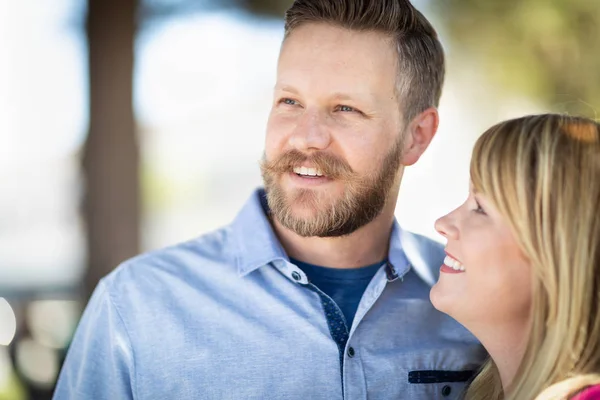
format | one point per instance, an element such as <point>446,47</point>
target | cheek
<point>499,278</point>
<point>276,134</point>
<point>365,153</point>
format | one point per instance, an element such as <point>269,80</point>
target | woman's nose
<point>446,227</point>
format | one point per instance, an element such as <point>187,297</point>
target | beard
<point>362,200</point>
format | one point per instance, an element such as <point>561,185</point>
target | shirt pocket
<point>438,384</point>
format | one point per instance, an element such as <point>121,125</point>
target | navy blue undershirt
<point>345,286</point>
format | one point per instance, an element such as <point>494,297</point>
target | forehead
<point>322,57</point>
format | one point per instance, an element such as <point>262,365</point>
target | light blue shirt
<point>227,316</point>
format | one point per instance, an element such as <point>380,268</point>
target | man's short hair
<point>420,53</point>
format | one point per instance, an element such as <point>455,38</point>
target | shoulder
<point>424,254</point>
<point>171,268</point>
<point>426,246</point>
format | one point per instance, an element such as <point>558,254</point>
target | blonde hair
<point>542,172</point>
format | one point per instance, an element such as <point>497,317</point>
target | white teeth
<point>307,171</point>
<point>454,264</point>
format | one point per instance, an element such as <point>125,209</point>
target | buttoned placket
<point>342,335</point>
<point>352,366</point>
<point>336,322</point>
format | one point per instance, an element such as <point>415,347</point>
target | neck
<point>506,345</point>
<point>367,245</point>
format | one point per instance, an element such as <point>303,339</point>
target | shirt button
<point>446,390</point>
<point>296,276</point>
<point>351,352</point>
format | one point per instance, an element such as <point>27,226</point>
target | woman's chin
<point>441,299</point>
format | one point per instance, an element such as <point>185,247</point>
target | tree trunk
<point>111,156</point>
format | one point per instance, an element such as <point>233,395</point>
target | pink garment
<point>591,393</point>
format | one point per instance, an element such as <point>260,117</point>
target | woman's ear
<point>420,132</point>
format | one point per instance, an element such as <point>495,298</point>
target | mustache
<point>331,166</point>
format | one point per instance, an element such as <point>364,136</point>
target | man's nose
<point>310,132</point>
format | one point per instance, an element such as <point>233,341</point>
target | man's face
<point>334,136</point>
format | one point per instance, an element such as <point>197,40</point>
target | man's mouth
<point>308,172</point>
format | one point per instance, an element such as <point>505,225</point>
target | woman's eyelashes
<point>478,209</point>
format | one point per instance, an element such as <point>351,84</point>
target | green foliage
<point>12,390</point>
<point>547,49</point>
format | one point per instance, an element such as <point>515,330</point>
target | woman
<point>523,265</point>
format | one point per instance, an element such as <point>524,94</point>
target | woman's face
<point>486,279</point>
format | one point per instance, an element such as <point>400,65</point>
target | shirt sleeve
<point>99,363</point>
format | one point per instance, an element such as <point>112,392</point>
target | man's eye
<point>346,108</point>
<point>289,102</point>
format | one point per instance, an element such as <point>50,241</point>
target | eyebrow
<point>286,88</point>
<point>336,95</point>
<point>344,96</point>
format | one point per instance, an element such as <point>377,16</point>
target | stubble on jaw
<point>363,199</point>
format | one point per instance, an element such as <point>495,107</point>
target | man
<point>314,291</point>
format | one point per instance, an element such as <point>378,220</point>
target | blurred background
<point>129,125</point>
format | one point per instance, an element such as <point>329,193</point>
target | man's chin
<point>303,212</point>
<point>298,218</point>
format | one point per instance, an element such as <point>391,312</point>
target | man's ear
<point>420,132</point>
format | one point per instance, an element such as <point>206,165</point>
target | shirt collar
<point>398,264</point>
<point>257,244</point>
<point>424,255</point>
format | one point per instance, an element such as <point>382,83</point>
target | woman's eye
<point>479,209</point>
